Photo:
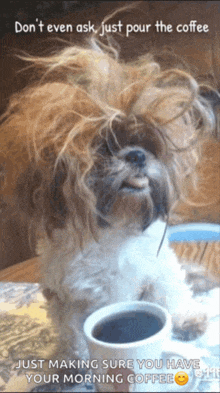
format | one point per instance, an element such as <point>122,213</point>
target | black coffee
<point>128,327</point>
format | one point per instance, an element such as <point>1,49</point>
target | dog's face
<point>103,143</point>
<point>128,183</point>
<point>128,178</point>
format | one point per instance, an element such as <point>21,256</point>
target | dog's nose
<point>136,157</point>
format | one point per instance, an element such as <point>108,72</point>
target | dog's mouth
<point>135,184</point>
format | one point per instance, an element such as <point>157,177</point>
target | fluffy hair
<point>51,131</point>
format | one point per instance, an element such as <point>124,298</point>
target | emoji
<point>181,378</point>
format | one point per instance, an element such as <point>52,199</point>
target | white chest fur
<point>114,269</point>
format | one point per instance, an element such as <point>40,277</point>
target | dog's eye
<point>104,150</point>
<point>109,147</point>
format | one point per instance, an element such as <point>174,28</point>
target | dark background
<point>200,50</point>
<point>28,11</point>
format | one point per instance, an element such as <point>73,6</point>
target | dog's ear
<point>55,201</point>
<point>213,96</point>
<point>28,183</point>
<point>160,204</point>
<point>39,197</point>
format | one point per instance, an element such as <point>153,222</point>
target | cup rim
<point>113,309</point>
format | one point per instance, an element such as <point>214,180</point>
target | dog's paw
<point>188,328</point>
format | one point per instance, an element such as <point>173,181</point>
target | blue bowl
<point>196,232</point>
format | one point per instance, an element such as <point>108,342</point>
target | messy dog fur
<point>97,153</point>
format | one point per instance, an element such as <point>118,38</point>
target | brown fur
<point>51,131</point>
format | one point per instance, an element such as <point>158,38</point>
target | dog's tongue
<point>138,182</point>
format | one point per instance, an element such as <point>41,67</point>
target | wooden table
<point>27,271</point>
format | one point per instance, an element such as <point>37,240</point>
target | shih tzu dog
<point>98,153</point>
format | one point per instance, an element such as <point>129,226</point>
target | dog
<point>98,152</point>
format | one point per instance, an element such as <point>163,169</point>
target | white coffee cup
<point>134,366</point>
